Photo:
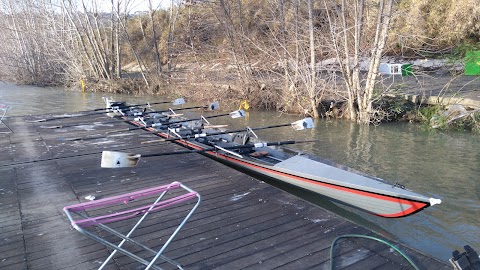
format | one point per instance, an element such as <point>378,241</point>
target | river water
<point>443,165</point>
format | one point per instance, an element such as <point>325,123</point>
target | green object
<point>472,63</point>
<point>407,70</point>
<point>409,260</point>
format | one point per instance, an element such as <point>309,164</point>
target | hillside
<point>272,53</point>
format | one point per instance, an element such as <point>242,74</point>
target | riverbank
<point>424,97</point>
<point>441,101</point>
<point>435,80</point>
<point>437,89</point>
<point>429,89</point>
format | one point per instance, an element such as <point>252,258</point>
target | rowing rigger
<point>234,114</point>
<point>137,116</point>
<point>116,159</point>
<point>111,108</point>
<point>306,123</point>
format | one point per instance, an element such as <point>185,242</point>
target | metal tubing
<point>80,208</point>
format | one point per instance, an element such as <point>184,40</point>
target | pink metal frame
<point>85,221</point>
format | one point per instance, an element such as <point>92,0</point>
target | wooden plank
<point>295,245</point>
<point>241,223</point>
<point>13,263</point>
<point>12,247</point>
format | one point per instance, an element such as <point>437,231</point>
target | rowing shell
<point>334,181</point>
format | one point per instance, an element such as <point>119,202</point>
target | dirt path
<point>434,89</point>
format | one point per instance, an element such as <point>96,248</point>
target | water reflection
<point>441,165</point>
<point>37,100</point>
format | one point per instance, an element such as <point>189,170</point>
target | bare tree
<point>235,35</point>
<point>311,88</point>
<point>173,15</point>
<point>156,50</point>
<point>293,46</point>
<point>113,42</point>
<point>36,45</point>
<point>276,45</point>
<point>347,22</point>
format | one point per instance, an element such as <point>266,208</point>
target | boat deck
<point>242,223</point>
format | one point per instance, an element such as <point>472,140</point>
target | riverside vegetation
<point>298,56</point>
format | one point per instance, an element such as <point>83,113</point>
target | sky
<point>134,5</point>
<point>142,5</point>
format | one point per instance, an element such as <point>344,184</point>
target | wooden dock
<point>242,222</point>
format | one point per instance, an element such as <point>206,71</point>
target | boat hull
<point>389,206</point>
<point>377,204</point>
<point>386,200</point>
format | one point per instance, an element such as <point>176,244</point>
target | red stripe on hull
<point>414,206</point>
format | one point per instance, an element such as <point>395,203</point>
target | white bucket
<point>112,159</point>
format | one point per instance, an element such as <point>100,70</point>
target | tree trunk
<point>86,54</point>
<point>284,57</point>
<point>94,43</point>
<point>360,92</point>
<point>112,44</point>
<point>381,38</point>
<point>171,28</point>
<point>311,89</point>
<point>119,50</point>
<point>156,51</point>
<point>135,54</point>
